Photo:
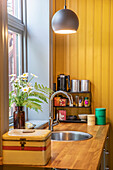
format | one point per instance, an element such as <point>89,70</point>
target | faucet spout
<point>69,96</point>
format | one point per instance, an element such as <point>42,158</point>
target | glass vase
<point>19,117</point>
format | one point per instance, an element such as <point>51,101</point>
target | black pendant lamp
<point>65,21</point>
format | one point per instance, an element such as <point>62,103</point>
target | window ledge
<point>40,124</point>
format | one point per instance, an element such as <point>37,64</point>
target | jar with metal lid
<point>86,102</point>
<point>81,101</point>
<point>76,101</point>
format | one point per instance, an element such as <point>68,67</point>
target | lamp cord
<point>65,5</point>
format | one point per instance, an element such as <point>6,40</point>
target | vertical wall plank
<point>111,86</point>
<point>97,54</point>
<point>66,51</point>
<point>59,44</point>
<point>73,46</point>
<point>89,44</point>
<point>82,40</point>
<point>105,55</point>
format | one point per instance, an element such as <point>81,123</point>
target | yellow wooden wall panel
<point>73,46</point>
<point>111,86</point>
<point>59,44</point>
<point>82,39</point>
<point>89,56</point>
<point>105,54</point>
<point>97,54</point>
<point>66,51</point>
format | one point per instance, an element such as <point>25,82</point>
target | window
<point>14,54</point>
<point>14,8</point>
<point>16,39</point>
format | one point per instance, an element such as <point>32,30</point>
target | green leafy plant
<point>25,94</point>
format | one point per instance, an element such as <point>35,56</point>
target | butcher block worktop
<point>78,154</point>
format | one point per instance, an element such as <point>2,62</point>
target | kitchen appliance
<point>75,85</point>
<point>26,147</point>
<point>62,82</point>
<point>85,86</point>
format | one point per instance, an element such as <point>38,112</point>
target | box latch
<point>22,142</point>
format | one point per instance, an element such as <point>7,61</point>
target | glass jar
<point>81,101</point>
<point>76,101</point>
<point>86,102</point>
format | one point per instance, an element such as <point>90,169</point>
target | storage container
<point>62,114</point>
<point>91,119</point>
<point>75,85</point>
<point>100,114</point>
<point>57,101</point>
<point>27,147</point>
<point>85,86</point>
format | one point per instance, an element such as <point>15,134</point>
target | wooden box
<point>27,147</point>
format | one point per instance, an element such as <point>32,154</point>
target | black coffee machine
<point>62,81</point>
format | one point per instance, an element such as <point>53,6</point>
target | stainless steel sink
<point>70,136</point>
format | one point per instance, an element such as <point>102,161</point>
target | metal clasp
<point>22,142</point>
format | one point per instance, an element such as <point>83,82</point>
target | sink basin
<point>70,136</point>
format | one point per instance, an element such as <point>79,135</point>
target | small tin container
<point>75,85</point>
<point>62,114</point>
<point>85,86</point>
<point>62,102</point>
<point>91,119</point>
<point>56,101</point>
<point>100,114</point>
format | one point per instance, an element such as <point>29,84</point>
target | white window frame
<point>20,26</point>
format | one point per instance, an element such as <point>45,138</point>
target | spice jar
<point>86,102</point>
<point>56,101</point>
<point>63,102</point>
<point>81,101</point>
<point>76,101</point>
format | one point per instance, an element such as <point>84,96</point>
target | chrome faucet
<point>51,116</point>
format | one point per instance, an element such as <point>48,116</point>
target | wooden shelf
<point>78,92</point>
<point>73,121</point>
<point>73,106</point>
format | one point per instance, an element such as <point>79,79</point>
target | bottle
<point>86,102</point>
<point>81,101</point>
<point>76,101</point>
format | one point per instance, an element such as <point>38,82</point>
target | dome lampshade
<point>65,21</point>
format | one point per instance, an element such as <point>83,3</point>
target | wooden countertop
<point>78,154</point>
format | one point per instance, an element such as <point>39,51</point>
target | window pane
<point>14,54</point>
<point>14,8</point>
